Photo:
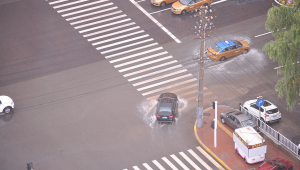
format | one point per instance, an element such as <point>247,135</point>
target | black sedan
<point>167,107</point>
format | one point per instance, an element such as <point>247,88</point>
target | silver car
<point>236,119</point>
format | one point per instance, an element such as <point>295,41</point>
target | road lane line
<point>147,166</point>
<point>101,21</point>
<point>164,82</point>
<point>189,160</point>
<point>92,13</point>
<point>80,6</point>
<point>97,17</point>
<point>135,55</point>
<point>106,25</point>
<point>88,9</point>
<point>199,159</point>
<point>159,166</point>
<point>135,168</point>
<point>129,51</point>
<point>168,87</point>
<point>119,37</point>
<point>159,11</point>
<point>150,68</point>
<point>155,72</point>
<point>109,29</point>
<point>56,2</point>
<point>144,64</point>
<point>169,163</point>
<point>155,21</point>
<point>159,77</point>
<point>141,59</point>
<point>262,34</point>
<point>67,4</point>
<point>125,46</point>
<point>114,33</point>
<point>218,2</point>
<point>210,158</point>
<point>179,162</point>
<point>140,1</point>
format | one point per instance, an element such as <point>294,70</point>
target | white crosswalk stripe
<point>92,13</point>
<point>189,160</point>
<point>210,158</point>
<point>109,29</point>
<point>88,9</point>
<point>136,168</point>
<point>180,162</point>
<point>147,166</point>
<point>199,159</point>
<point>158,165</point>
<point>97,17</point>
<point>81,6</point>
<point>101,21</point>
<point>169,163</point>
<point>68,4</point>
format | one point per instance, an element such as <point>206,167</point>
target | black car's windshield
<point>247,123</point>
<point>216,48</point>
<point>184,2</point>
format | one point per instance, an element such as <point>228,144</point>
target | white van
<point>249,144</point>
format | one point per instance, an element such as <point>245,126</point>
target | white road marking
<point>155,72</point>
<point>189,160</point>
<point>140,1</point>
<point>262,34</point>
<point>109,29</point>
<point>80,6</point>
<point>147,166</point>
<point>144,64</point>
<point>56,2</point>
<point>158,165</point>
<point>168,87</point>
<point>199,159</point>
<point>128,51</point>
<point>106,25</point>
<point>218,2</point>
<point>116,38</point>
<point>135,55</point>
<point>141,59</point>
<point>101,21</point>
<point>169,163</point>
<point>125,46</point>
<point>88,9</point>
<point>92,13</point>
<point>179,162</point>
<point>164,82</point>
<point>159,11</point>
<point>136,168</point>
<point>150,68</point>
<point>114,33</point>
<point>97,17</point>
<point>210,158</point>
<point>67,4</point>
<point>159,77</point>
<point>155,21</point>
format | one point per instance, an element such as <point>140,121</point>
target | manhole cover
<point>206,114</point>
<point>223,156</point>
<point>62,152</point>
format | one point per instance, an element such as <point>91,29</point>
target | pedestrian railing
<point>275,135</point>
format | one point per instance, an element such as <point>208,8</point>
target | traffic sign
<point>260,102</point>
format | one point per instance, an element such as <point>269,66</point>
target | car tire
<point>222,120</point>
<point>7,110</point>
<point>222,58</point>
<point>245,161</point>
<point>163,4</point>
<point>245,51</point>
<point>236,151</point>
<point>183,12</point>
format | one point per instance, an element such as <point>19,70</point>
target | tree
<point>284,23</point>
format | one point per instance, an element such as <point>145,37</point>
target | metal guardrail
<point>275,135</point>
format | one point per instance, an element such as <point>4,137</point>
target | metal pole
<point>216,124</point>
<point>201,74</point>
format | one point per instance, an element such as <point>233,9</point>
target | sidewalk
<point>225,153</point>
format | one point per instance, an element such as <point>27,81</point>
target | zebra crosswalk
<point>141,60</point>
<point>183,160</point>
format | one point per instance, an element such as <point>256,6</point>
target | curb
<point>208,150</point>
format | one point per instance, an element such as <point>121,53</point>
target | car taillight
<point>267,115</point>
<point>215,54</point>
<point>171,117</point>
<point>157,116</point>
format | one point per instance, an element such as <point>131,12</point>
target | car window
<point>0,102</point>
<point>261,109</point>
<point>232,117</point>
<point>237,43</point>
<point>216,48</point>
<point>184,2</point>
<point>272,111</point>
<point>247,122</point>
<point>237,121</point>
<point>254,106</point>
<point>192,2</point>
<point>234,47</point>
<point>226,49</point>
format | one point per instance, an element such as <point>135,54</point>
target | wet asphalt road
<point>74,110</point>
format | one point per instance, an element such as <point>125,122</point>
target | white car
<point>268,111</point>
<point>6,104</point>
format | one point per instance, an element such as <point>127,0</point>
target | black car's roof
<point>167,97</point>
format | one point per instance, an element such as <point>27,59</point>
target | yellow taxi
<point>162,2</point>
<point>226,49</point>
<point>184,6</point>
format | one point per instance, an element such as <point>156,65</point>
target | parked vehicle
<point>268,111</point>
<point>162,3</point>
<point>6,104</point>
<point>167,107</point>
<point>184,6</point>
<point>276,164</point>
<point>236,119</point>
<point>249,145</point>
<point>226,49</point>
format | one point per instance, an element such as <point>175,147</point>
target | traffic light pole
<point>216,124</point>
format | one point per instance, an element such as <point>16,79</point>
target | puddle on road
<point>148,109</point>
